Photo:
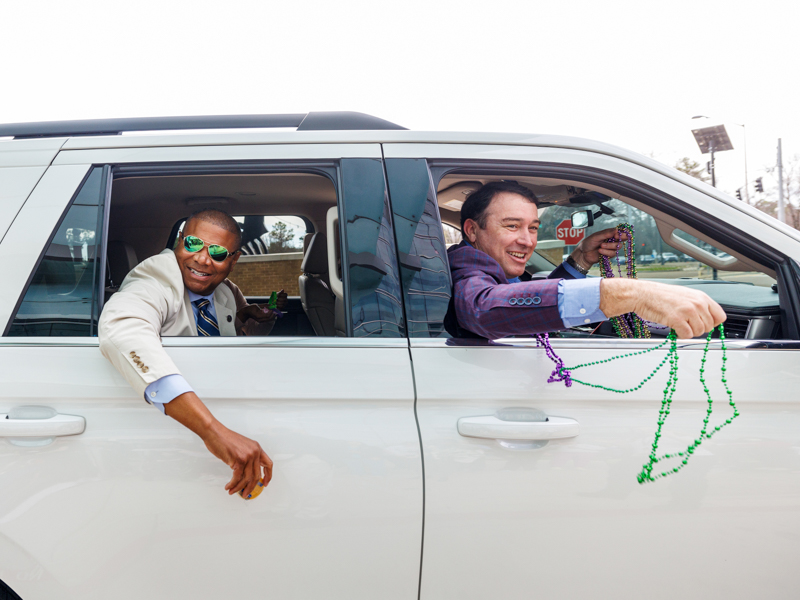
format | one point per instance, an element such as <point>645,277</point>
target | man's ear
<point>471,230</point>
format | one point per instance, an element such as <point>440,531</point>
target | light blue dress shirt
<point>578,299</point>
<point>169,387</point>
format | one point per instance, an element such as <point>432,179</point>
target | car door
<point>561,514</point>
<point>103,496</point>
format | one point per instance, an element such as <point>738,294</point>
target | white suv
<point>366,404</point>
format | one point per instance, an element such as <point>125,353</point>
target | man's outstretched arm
<point>243,455</point>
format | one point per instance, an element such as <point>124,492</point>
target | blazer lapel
<point>187,307</point>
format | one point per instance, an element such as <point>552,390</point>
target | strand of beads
<point>629,325</point>
<point>559,373</point>
<point>567,372</point>
<point>562,373</point>
<point>646,474</point>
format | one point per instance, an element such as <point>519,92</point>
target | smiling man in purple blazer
<point>500,223</point>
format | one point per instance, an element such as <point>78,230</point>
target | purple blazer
<point>485,305</point>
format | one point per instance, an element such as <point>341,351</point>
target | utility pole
<point>781,215</point>
<point>746,182</point>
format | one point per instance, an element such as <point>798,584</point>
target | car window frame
<point>786,269</point>
<point>98,272</point>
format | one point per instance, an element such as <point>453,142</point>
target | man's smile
<point>518,255</point>
<point>198,273</point>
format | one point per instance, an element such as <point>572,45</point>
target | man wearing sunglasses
<point>184,292</point>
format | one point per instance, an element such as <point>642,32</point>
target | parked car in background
<point>396,476</point>
<point>669,257</point>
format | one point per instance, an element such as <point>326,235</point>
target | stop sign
<point>569,234</point>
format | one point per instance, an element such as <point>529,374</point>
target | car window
<point>373,282</point>
<point>62,296</point>
<point>277,206</point>
<point>743,285</point>
<point>452,235</point>
<point>283,211</point>
<point>272,234</point>
<point>421,247</point>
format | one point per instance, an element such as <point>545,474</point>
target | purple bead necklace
<point>632,326</point>
<point>629,325</point>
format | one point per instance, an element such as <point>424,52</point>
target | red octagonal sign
<point>569,234</point>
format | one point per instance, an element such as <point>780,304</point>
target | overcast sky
<point>627,73</point>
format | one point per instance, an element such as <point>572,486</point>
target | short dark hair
<point>220,219</point>
<point>477,203</point>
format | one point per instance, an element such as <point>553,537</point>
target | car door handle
<point>490,427</point>
<point>55,426</point>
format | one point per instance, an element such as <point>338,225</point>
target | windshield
<point>655,259</point>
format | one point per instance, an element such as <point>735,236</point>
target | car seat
<point>318,300</point>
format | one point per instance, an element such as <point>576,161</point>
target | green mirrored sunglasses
<point>215,251</point>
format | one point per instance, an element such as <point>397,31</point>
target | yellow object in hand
<point>256,490</point>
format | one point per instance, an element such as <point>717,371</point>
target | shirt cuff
<point>579,301</point>
<point>165,390</point>
<point>573,271</point>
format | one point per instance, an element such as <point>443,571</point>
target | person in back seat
<point>180,293</point>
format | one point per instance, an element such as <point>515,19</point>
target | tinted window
<point>420,245</point>
<point>61,297</point>
<point>372,275</point>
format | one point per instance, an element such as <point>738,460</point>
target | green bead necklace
<point>632,326</point>
<point>706,432</point>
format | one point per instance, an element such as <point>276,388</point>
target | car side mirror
<point>583,219</point>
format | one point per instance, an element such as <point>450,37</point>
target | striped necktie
<point>206,323</point>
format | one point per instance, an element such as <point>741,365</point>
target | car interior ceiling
<point>144,210</point>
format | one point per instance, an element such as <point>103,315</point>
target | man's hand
<point>257,312</point>
<point>243,455</point>
<point>282,300</point>
<point>589,250</point>
<point>689,312</point>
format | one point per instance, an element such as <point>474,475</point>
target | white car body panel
<point>569,520</point>
<point>29,153</point>
<point>16,184</point>
<point>135,507</point>
<point>32,228</point>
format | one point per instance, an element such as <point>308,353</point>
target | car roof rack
<point>313,121</point>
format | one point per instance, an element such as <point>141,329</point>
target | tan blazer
<point>151,303</point>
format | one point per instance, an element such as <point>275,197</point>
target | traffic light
<point>759,185</point>
<point>739,193</point>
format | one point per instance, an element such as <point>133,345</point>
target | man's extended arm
<point>129,334</point>
<point>689,312</point>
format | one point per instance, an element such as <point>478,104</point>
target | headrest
<point>315,261</point>
<point>121,259</point>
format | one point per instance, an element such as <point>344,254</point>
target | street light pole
<point>712,140</point>
<point>781,214</point>
<point>713,170</point>
<point>746,180</point>
<point>711,150</point>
